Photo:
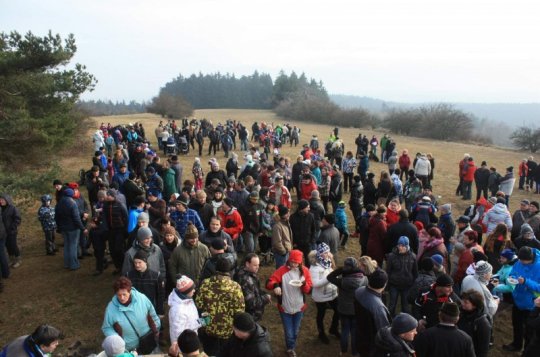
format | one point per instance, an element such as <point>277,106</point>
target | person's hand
<point>268,298</point>
<point>537,302</point>
<point>173,350</point>
<point>521,280</point>
<point>421,325</point>
<point>277,291</point>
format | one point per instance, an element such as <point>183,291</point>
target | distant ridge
<point>513,114</point>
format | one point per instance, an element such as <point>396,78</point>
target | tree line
<point>107,107</point>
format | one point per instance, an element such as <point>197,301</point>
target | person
<point>396,340</point>
<point>520,217</point>
<point>48,224</point>
<point>43,341</point>
<point>422,283</point>
<point>377,235</point>
<point>402,271</point>
<point>534,323</point>
<point>422,169</point>
<point>347,166</point>
<point>370,312</point>
<point>527,271</point>
<point>221,298</point>
<point>145,243</point>
<point>302,225</point>
<point>526,238</point>
<point>282,237</point>
<point>356,202</point>
<point>68,222</point>
<point>506,184</point>
<point>183,314</point>
<point>130,315</point>
<point>497,214</point>
<point>468,178</point>
<point>445,339</point>
<point>232,224</point>
<point>147,281</point>
<point>481,179</point>
<point>291,301</point>
<point>342,223</point>
<point>115,346</point>
<point>254,298</point>
<point>249,339</point>
<point>475,322</point>
<point>115,221</point>
<point>182,216</point>
<point>478,282</point>
<point>216,232</point>
<point>12,220</point>
<point>428,303</point>
<point>329,233</point>
<point>470,239</point>
<point>217,249</point>
<point>446,225</point>
<point>188,258</point>
<point>324,293</point>
<point>189,344</point>
<point>402,228</point>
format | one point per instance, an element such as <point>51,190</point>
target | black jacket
<point>66,215</point>
<point>476,324</point>
<point>399,229</point>
<point>336,187</point>
<point>258,344</point>
<point>390,345</point>
<point>151,284</point>
<point>481,177</point>
<point>303,229</point>
<point>371,316</point>
<point>10,216</point>
<point>443,341</point>
<point>347,283</point>
<point>402,269</point>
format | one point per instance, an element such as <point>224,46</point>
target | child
<point>268,217</point>
<point>341,223</point>
<point>114,346</point>
<point>198,174</point>
<point>48,224</point>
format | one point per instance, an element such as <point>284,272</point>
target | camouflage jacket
<point>221,298</point>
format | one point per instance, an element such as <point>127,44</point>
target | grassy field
<point>42,291</point>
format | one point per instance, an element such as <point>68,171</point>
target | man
<point>132,189</point>
<point>397,339</point>
<point>481,179</point>
<point>69,224</point>
<point>156,207</point>
<point>203,208</point>
<point>317,210</point>
<point>216,232</point>
<point>423,169</point>
<point>248,339</point>
<point>134,211</point>
<point>445,339</point>
<point>462,168</point>
<point>281,237</point>
<point>145,243</point>
<point>217,249</point>
<point>181,216</point>
<point>12,219</point>
<point>519,217</point>
<point>336,188</point>
<point>143,220</point>
<point>330,234</point>
<point>280,193</point>
<point>116,222</point>
<point>178,171</point>
<point>470,241</point>
<point>188,258</point>
<point>468,178</point>
<point>248,279</point>
<point>232,224</point>
<point>534,217</point>
<point>42,342</point>
<point>303,228</point>
<point>402,228</point>
<point>527,272</point>
<point>447,225</point>
<point>493,181</point>
<point>153,181</point>
<point>371,314</point>
<point>215,173</point>
<point>531,168</point>
<point>251,220</point>
<point>120,177</point>
<point>523,170</point>
<point>221,298</point>
<point>428,304</point>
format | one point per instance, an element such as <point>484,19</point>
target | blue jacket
<point>137,311</point>
<point>341,219</point>
<point>21,347</point>
<point>524,294</point>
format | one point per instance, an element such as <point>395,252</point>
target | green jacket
<point>188,261</point>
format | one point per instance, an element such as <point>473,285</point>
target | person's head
<point>46,338</point>
<point>507,256</point>
<point>377,280</point>
<point>404,326</point>
<point>403,215</point>
<point>243,325</point>
<point>434,233</point>
<point>188,343</point>
<point>483,271</point>
<point>144,236</point>
<point>296,258</point>
<point>526,255</point>
<point>200,196</point>
<point>449,313</point>
<point>122,289</point>
<point>303,206</point>
<point>191,236</point>
<point>114,345</point>
<point>328,219</point>
<point>446,208</point>
<point>371,210</point>
<point>185,286</point>
<point>403,244</point>
<point>140,261</point>
<point>283,212</point>
<point>524,205</point>
<point>425,265</point>
<point>181,203</point>
<point>444,285</point>
<point>470,238</point>
<point>526,231</point>
<point>463,221</point>
<point>252,263</point>
<point>381,211</point>
<point>227,204</point>
<point>394,205</point>
<point>217,246</point>
<point>534,207</point>
<point>472,300</point>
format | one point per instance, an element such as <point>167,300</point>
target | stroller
<point>183,145</point>
<point>171,148</point>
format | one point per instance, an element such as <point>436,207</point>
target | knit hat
<point>150,170</point>
<point>296,256</point>
<point>182,199</point>
<point>451,309</point>
<point>68,192</point>
<point>350,263</point>
<point>188,342</point>
<point>535,204</point>
<point>184,284</point>
<point>508,254</point>
<point>419,225</point>
<point>403,323</point>
<point>302,204</point>
<point>143,217</point>
<point>446,207</point>
<point>141,255</point>
<point>228,201</point>
<point>525,253</point>
<point>425,264</point>
<point>322,248</point>
<point>483,268</point>
<point>191,232</point>
<point>113,345</point>
<point>444,280</point>
<point>403,240</point>
<point>526,202</point>
<point>244,322</point>
<point>153,192</point>
<point>526,228</point>
<point>378,279</point>
<point>437,259</point>
<point>315,194</point>
<point>143,233</point>
<point>218,244</point>
<point>282,210</point>
<point>254,195</point>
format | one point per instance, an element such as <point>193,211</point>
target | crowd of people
<point>426,281</point>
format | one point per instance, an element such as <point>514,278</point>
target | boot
<point>323,338</point>
<point>17,263</point>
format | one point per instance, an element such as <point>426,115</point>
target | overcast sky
<point>400,50</point>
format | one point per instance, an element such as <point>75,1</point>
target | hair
<point>248,257</point>
<point>44,335</point>
<point>215,218</point>
<point>472,235</point>
<point>122,283</point>
<point>381,209</point>
<point>435,232</point>
<point>385,176</point>
<point>446,319</point>
<point>367,264</point>
<point>500,230</point>
<point>474,297</point>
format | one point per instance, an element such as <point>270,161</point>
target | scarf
<point>430,244</point>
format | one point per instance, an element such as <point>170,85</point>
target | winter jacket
<point>306,189</point>
<point>182,219</point>
<point>292,299</point>
<point>504,287</point>
<point>447,226</point>
<point>10,215</point>
<point>169,183</point>
<point>404,162</point>
<point>390,345</point>
<point>356,200</point>
<point>477,325</point>
<point>428,305</point>
<point>399,229</point>
<point>251,217</point>
<point>481,176</point>
<point>336,188</point>
<point>371,316</point>
<point>231,222</point>
<point>347,282</point>
<point>155,258</point>
<point>303,229</point>
<point>187,260</point>
<point>66,215</point>
<point>21,347</point>
<point>285,198</point>
<point>377,235</point>
<point>471,282</point>
<point>254,298</point>
<point>46,218</point>
<point>518,218</point>
<point>281,237</point>
<point>183,315</point>
<point>115,216</point>
<point>221,298</point>
<point>392,161</point>
<point>524,294</point>
<point>465,259</point>
<point>401,268</point>
<point>498,214</point>
<point>323,290</point>
<point>421,284</point>
<point>444,341</point>
<point>468,175</point>
<point>422,167</point>
<point>151,284</point>
<point>140,312</point>
<point>506,184</point>
<point>257,344</point>
<point>341,220</point>
<point>330,235</point>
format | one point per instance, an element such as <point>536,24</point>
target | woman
<point>183,314</point>
<point>324,294</point>
<point>130,315</point>
<point>479,282</point>
<point>496,242</point>
<point>232,166</point>
<point>474,321</point>
<point>347,166</point>
<point>167,245</point>
<point>502,288</point>
<point>385,189</point>
<point>404,162</point>
<point>432,162</point>
<point>377,235</point>
<point>392,213</point>
<point>434,245</point>
<point>289,283</point>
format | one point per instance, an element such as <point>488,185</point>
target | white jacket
<point>323,290</point>
<point>472,283</point>
<point>182,315</point>
<point>423,167</point>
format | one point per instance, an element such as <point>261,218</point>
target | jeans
<point>520,328</point>
<point>244,144</point>
<point>291,327</point>
<point>466,188</point>
<point>280,259</point>
<point>4,263</point>
<point>71,243</point>
<point>321,312</point>
<point>348,328</point>
<point>394,293</point>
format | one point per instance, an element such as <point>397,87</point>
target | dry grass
<point>42,291</point>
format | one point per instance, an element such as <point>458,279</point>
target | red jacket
<point>305,190</point>
<point>377,234</point>
<point>404,162</point>
<point>285,196</point>
<point>523,169</point>
<point>231,222</point>
<point>391,217</point>
<point>466,258</point>
<point>280,276</point>
<point>468,175</point>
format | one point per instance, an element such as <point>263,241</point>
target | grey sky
<point>468,51</point>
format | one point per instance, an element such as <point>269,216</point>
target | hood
<point>499,208</point>
<point>483,202</point>
<point>174,299</point>
<point>7,197</point>
<point>353,280</point>
<point>386,341</point>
